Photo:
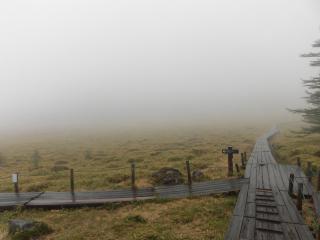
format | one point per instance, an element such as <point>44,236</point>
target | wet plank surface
<point>66,199</point>
<point>264,210</point>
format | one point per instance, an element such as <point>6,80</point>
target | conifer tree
<point>311,113</point>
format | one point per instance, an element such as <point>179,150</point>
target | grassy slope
<point>289,145</point>
<point>206,218</point>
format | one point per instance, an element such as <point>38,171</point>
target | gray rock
<point>27,229</point>
<point>197,175</point>
<point>18,225</point>
<point>167,176</point>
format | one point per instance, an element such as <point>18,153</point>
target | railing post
<point>15,180</point>
<point>298,162</point>
<point>290,189</point>
<point>318,184</point>
<point>242,161</point>
<point>189,173</point>
<point>309,171</point>
<point>133,175</point>
<point>237,168</point>
<point>300,195</point>
<point>71,181</point>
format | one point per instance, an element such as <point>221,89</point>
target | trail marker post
<point>318,182</point>
<point>243,165</point>
<point>133,176</point>
<point>230,151</point>
<point>298,161</point>
<point>309,171</point>
<point>71,181</point>
<point>189,173</point>
<point>300,195</point>
<point>290,189</point>
<point>15,180</point>
<point>238,169</point>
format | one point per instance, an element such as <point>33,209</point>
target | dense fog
<point>71,64</point>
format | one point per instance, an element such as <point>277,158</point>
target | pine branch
<point>315,63</point>
<point>310,55</point>
<point>316,43</point>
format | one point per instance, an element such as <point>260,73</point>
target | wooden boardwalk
<point>264,209</point>
<point>67,199</point>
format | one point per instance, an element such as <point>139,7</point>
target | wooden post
<point>309,171</point>
<point>242,161</point>
<point>298,162</point>
<point>291,179</point>
<point>71,181</point>
<point>133,175</point>
<point>318,185</point>
<point>230,151</point>
<point>299,199</point>
<point>189,173</point>
<point>230,165</point>
<point>245,156</point>
<point>238,169</point>
<point>15,180</point>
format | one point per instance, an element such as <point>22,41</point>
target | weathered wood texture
<point>264,209</point>
<point>67,199</point>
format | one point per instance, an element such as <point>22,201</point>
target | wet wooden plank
<point>250,210</point>
<point>248,228</point>
<point>241,202</point>
<point>259,177</point>
<point>270,213</point>
<point>253,177</point>
<point>304,232</point>
<point>234,228</point>
<point>290,209</point>
<point>51,199</point>
<point>290,231</point>
<point>265,173</point>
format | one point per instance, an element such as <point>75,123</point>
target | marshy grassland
<point>290,144</point>
<point>101,161</point>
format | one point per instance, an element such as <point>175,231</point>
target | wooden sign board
<point>14,177</point>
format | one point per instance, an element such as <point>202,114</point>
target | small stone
<point>18,225</point>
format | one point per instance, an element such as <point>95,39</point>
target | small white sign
<point>15,177</point>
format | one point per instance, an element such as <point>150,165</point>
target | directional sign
<point>230,151</point>
<point>15,177</point>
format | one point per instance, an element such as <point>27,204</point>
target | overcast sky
<point>67,63</point>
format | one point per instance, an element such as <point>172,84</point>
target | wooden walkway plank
<point>264,209</point>
<point>67,199</point>
<point>234,228</point>
<point>248,228</point>
<point>241,202</point>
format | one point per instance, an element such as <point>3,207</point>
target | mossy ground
<point>95,159</point>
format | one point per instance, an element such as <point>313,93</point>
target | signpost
<point>15,180</point>
<point>230,151</point>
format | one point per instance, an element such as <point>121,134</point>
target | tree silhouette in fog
<point>311,113</point>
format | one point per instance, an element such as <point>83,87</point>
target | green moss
<point>136,219</point>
